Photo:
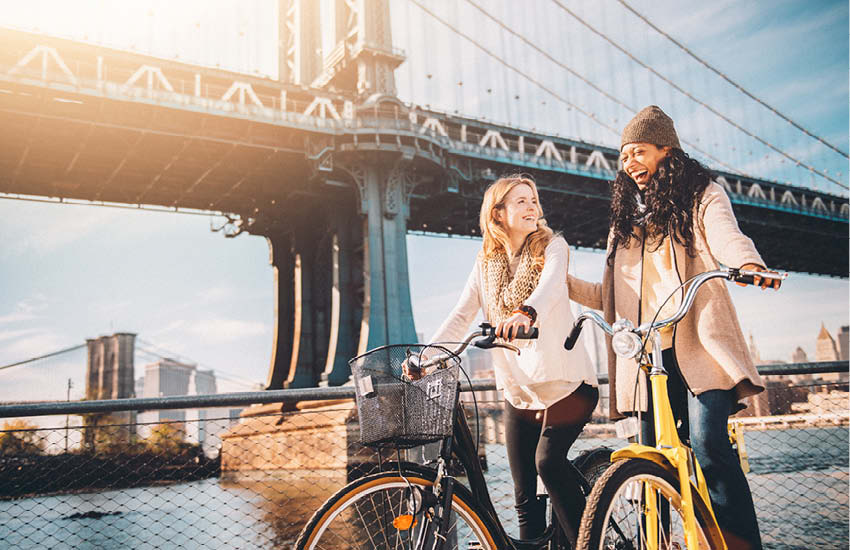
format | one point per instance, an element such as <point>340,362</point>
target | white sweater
<point>545,372</point>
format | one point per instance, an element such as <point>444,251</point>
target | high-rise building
<point>843,334</point>
<point>826,350</point>
<point>754,352</point>
<point>168,377</point>
<point>478,363</point>
<point>799,356</point>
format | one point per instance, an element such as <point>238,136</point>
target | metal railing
<point>202,471</point>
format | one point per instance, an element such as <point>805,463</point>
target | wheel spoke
<point>360,517</point>
<point>617,517</point>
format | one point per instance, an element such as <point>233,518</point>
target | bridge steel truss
<point>334,181</point>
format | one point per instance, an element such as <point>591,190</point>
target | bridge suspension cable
<point>528,77</point>
<point>40,357</point>
<point>590,83</point>
<point>732,82</point>
<point>695,99</point>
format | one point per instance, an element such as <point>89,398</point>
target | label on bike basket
<point>627,427</point>
<point>435,389</point>
<point>365,387</point>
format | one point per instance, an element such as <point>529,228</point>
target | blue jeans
<point>704,418</point>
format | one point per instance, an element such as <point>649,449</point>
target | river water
<point>799,479</point>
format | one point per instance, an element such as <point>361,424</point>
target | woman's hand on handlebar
<point>761,281</point>
<point>509,328</point>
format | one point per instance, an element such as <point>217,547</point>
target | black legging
<point>537,448</point>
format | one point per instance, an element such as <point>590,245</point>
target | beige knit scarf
<point>504,293</point>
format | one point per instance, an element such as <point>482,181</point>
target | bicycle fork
<point>436,509</point>
<point>681,458</point>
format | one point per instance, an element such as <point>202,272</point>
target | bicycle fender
<point>395,466</point>
<point>644,452</point>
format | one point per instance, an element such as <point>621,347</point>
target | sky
<point>72,272</point>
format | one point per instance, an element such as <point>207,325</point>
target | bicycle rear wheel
<point>613,518</point>
<point>361,516</point>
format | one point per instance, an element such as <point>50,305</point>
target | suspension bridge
<point>329,164</point>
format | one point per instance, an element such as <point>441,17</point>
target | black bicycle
<point>414,506</point>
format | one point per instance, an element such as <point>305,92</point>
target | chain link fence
<point>220,476</point>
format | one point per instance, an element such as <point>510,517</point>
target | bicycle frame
<point>669,452</point>
<point>461,445</point>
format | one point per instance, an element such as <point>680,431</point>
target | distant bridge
<point>333,177</point>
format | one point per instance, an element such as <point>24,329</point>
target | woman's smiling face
<point>519,212</point>
<point>640,161</point>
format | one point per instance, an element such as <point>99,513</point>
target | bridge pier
<point>310,301</point>
<point>346,295</point>
<point>283,266</point>
<point>387,310</point>
<point>341,278</point>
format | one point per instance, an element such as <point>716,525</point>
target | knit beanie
<point>651,125</point>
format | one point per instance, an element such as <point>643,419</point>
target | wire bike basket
<point>395,412</point>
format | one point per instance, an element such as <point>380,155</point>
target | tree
<point>168,438</point>
<point>20,438</point>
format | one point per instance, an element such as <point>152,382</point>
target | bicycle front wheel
<point>363,515</point>
<point>615,518</point>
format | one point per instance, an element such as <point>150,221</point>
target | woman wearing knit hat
<point>669,222</point>
<point>550,393</point>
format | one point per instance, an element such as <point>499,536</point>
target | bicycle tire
<point>593,463</point>
<point>359,516</point>
<point>613,497</point>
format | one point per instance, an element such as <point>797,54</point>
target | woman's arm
<point>457,323</point>
<point>556,260</point>
<point>725,240</point>
<point>585,293</point>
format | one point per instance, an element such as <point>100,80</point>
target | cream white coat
<point>544,372</point>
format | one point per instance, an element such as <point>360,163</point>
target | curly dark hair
<point>671,196</point>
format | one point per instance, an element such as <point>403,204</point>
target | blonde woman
<point>550,393</point>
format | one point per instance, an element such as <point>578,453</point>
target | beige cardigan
<point>708,342</point>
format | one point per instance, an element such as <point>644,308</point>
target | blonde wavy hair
<point>495,236</point>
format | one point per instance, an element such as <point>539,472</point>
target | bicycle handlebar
<point>487,333</point>
<point>576,331</point>
<point>729,273</point>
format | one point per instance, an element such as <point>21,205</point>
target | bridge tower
<point>109,375</point>
<point>340,261</point>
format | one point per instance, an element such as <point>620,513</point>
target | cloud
<point>61,228</point>
<point>213,330</point>
<point>215,294</point>
<point>228,329</point>
<point>26,310</point>
<point>31,344</point>
<point>12,334</point>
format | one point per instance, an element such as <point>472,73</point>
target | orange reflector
<point>404,522</point>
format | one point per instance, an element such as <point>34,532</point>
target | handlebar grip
<point>490,339</point>
<point>745,279</point>
<point>530,335</point>
<point>571,340</point>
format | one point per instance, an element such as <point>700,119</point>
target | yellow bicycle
<point>653,498</point>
